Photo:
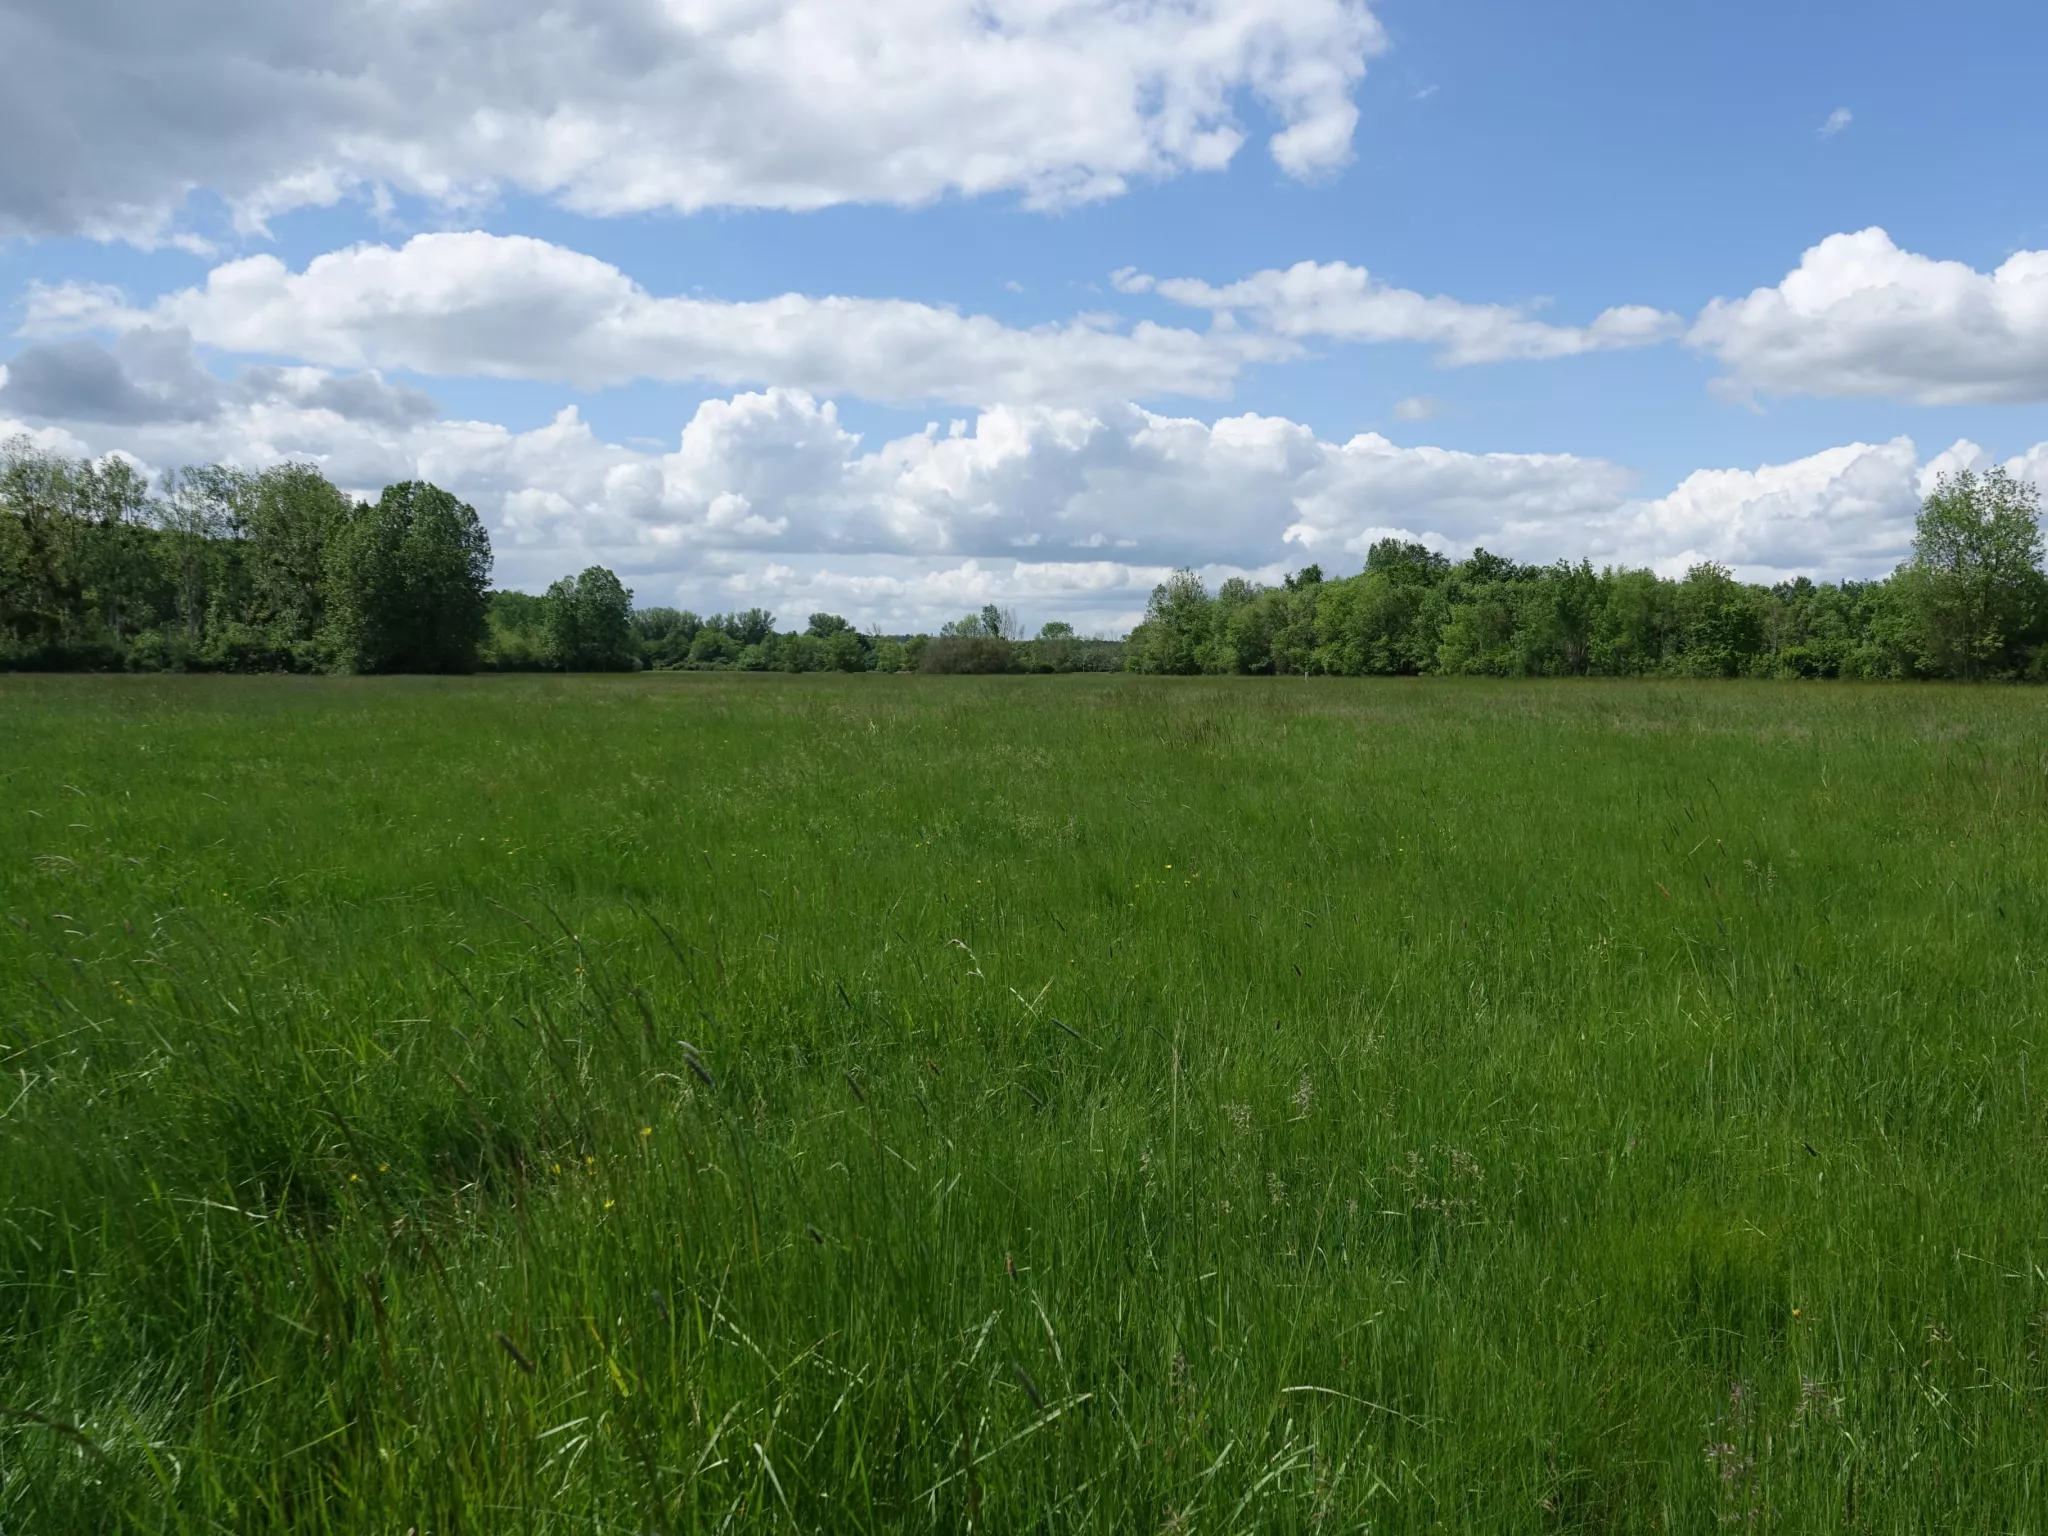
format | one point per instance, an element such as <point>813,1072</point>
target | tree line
<point>1970,603</point>
<point>218,569</point>
<point>229,571</point>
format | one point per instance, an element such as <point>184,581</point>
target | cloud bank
<point>509,306</point>
<point>115,115</point>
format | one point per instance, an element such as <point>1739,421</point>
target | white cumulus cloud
<point>1342,302</point>
<point>1844,511</point>
<point>511,306</point>
<point>114,115</point>
<point>1860,316</point>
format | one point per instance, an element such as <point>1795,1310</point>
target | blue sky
<point>449,259</point>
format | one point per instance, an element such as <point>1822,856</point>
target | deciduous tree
<point>408,583</point>
<point>1974,585</point>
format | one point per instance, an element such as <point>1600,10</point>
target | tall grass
<point>871,1104</point>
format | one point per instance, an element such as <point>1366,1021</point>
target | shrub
<point>968,653</point>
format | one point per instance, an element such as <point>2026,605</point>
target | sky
<point>893,311</point>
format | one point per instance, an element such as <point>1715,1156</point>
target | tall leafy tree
<point>1974,585</point>
<point>589,623</point>
<point>1179,621</point>
<point>79,573</point>
<point>749,628</point>
<point>664,634</point>
<point>408,583</point>
<point>1722,626</point>
<point>201,510</point>
<point>289,515</point>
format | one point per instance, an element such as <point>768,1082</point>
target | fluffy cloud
<point>1845,511</point>
<point>1346,303</point>
<point>516,307</point>
<point>1861,317</point>
<point>115,114</point>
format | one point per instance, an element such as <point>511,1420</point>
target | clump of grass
<point>682,1103</point>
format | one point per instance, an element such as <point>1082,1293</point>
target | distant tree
<point>1974,586</point>
<point>1307,576</point>
<point>847,650</point>
<point>750,628</point>
<point>124,578</point>
<point>589,623</point>
<point>967,651</point>
<point>1178,626</point>
<point>287,516</point>
<point>201,509</point>
<point>664,634</point>
<point>714,648</point>
<point>1369,625</point>
<point>652,624</point>
<point>1635,629</point>
<point>408,583</point>
<point>81,575</point>
<point>41,581</point>
<point>1721,623</point>
<point>1554,633</point>
<point>1055,629</point>
<point>992,623</point>
<point>826,625</point>
<point>1404,560</point>
<point>1478,640</point>
<point>515,638</point>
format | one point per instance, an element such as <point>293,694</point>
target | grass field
<point>1108,1105</point>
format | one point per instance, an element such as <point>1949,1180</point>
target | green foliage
<point>992,623</point>
<point>230,571</point>
<point>1974,586</point>
<point>1179,632</point>
<point>664,635</point>
<point>714,647</point>
<point>1973,603</point>
<point>976,652</point>
<point>408,583</point>
<point>80,571</point>
<point>201,510</point>
<point>1059,649</point>
<point>516,633</point>
<point>287,516</point>
<point>750,628</point>
<point>588,623</point>
<point>1066,1105</point>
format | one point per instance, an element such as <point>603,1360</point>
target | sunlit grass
<point>684,1102</point>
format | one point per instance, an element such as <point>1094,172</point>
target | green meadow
<point>711,1102</point>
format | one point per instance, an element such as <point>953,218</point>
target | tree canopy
<point>408,583</point>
